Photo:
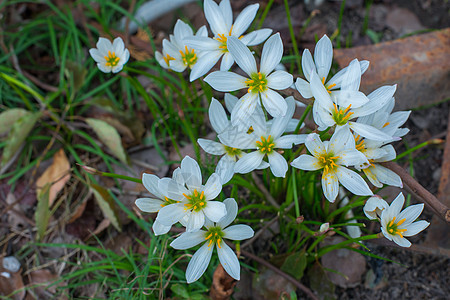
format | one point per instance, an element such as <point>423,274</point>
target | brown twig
<point>281,273</point>
<point>441,210</point>
<point>263,189</point>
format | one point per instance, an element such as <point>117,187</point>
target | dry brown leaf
<point>223,284</point>
<point>57,174</point>
<point>40,279</point>
<point>102,226</point>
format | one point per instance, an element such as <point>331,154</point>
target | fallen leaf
<point>295,264</point>
<point>41,284</point>
<point>56,176</point>
<point>19,132</point>
<point>42,214</point>
<point>223,284</point>
<point>9,117</point>
<point>15,218</point>
<point>270,285</point>
<point>319,282</point>
<point>110,137</point>
<point>106,204</point>
<point>102,226</point>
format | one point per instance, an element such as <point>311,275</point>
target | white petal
<point>278,164</point>
<point>225,168</point>
<point>173,189</point>
<point>344,98</point>
<point>279,124</point>
<point>330,186</point>
<point>401,241</point>
<point>204,64</point>
<point>279,80</point>
<point>227,13</point>
<point>374,205</point>
<point>217,116</point>
<point>213,187</point>
<point>232,210</point>
<point>199,261</point>
<point>306,162</point>
<point>226,81</point>
<point>150,182</point>
<point>341,139</point>
<point>249,162</point>
<point>244,20</point>
<point>104,68</point>
<point>256,37</point>
<point>148,204</point>
<point>244,108</point>
<point>303,88</point>
<point>202,31</point>
<point>323,56</point>
<point>369,132</point>
<point>372,178</point>
<point>238,232</point>
<point>96,55</point>
<point>411,213</point>
<point>287,141</point>
<point>387,176</point>
<point>274,103</point>
<point>230,101</point>
<point>229,261</point>
<point>159,228</point>
<point>195,221</point>
<point>188,240</point>
<point>170,214</point>
<point>104,45</point>
<point>242,55</point>
<point>353,182</point>
<point>320,93</point>
<point>211,147</point>
<point>201,43</point>
<point>352,77</point>
<point>215,17</point>
<point>351,157</point>
<point>271,54</point>
<point>227,62</point>
<point>215,210</point>
<point>315,145</point>
<point>182,30</point>
<point>377,99</point>
<point>415,228</point>
<point>394,208</point>
<point>307,64</point>
<point>191,172</point>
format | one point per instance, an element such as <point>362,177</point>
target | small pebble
<point>11,264</point>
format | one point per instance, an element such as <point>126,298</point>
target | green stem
<point>324,250</point>
<point>291,31</point>
<point>106,174</point>
<point>430,142</point>
<point>294,191</point>
<point>303,118</point>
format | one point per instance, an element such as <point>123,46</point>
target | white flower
<point>260,84</point>
<point>220,19</point>
<point>214,236</point>
<point>194,198</point>
<point>323,57</point>
<point>177,56</point>
<point>348,103</point>
<point>374,207</point>
<point>265,139</point>
<point>110,57</point>
<point>375,153</point>
<point>396,225</point>
<point>331,157</point>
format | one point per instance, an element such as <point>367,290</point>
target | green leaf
<point>295,264</point>
<point>19,132</point>
<point>42,214</point>
<point>110,137</point>
<point>9,117</point>
<point>77,72</point>
<point>106,204</point>
<point>180,290</point>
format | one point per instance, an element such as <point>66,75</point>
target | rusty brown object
<point>429,199</point>
<point>419,64</point>
<point>223,284</point>
<point>439,232</point>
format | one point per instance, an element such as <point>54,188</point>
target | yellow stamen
<point>401,222</point>
<point>386,124</point>
<point>209,236</point>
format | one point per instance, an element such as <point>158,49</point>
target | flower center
<point>392,227</point>
<point>340,116</point>
<point>223,41</point>
<point>214,235</point>
<point>265,145</point>
<point>168,58</point>
<point>232,151</point>
<point>257,83</point>
<point>328,163</point>
<point>111,60</point>
<point>196,201</point>
<point>189,57</point>
<point>328,87</point>
<point>169,201</point>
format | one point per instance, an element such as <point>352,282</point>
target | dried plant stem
<point>281,273</point>
<point>441,210</point>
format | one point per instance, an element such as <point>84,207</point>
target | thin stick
<point>281,273</point>
<point>263,189</point>
<point>441,210</point>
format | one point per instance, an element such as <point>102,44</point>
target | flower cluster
<point>352,135</point>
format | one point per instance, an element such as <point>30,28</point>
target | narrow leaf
<point>106,204</point>
<point>42,214</point>
<point>110,137</point>
<point>295,264</point>
<point>9,117</point>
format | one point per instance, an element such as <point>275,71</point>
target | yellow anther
<point>202,195</point>
<point>188,197</point>
<point>386,124</point>
<point>401,222</point>
<point>209,236</point>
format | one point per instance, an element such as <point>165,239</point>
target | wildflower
<point>266,140</point>
<point>374,207</point>
<point>260,84</point>
<point>321,64</point>
<point>348,103</point>
<point>220,19</point>
<point>193,199</point>
<point>214,236</point>
<point>396,225</point>
<point>176,55</point>
<point>110,57</point>
<point>332,157</point>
